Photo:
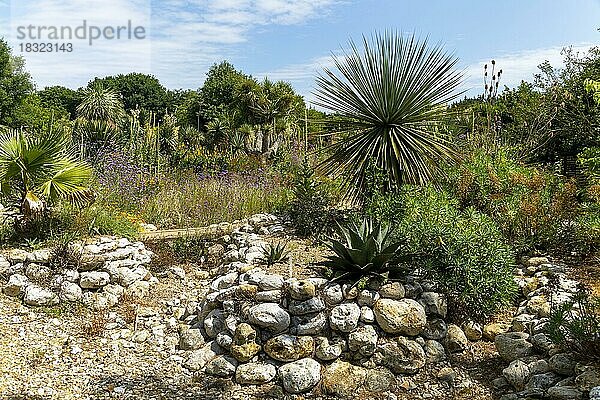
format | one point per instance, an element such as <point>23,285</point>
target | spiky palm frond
<point>390,95</point>
<point>101,104</point>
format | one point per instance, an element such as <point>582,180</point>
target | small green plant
<point>310,209</point>
<point>273,254</point>
<point>575,326</point>
<point>190,249</point>
<point>364,251</point>
<point>62,254</point>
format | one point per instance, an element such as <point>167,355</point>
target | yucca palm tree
<point>40,166</point>
<point>101,104</point>
<point>391,96</point>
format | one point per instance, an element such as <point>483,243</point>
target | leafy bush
<point>310,209</point>
<point>463,252</point>
<point>575,326</point>
<point>532,208</point>
<point>365,251</point>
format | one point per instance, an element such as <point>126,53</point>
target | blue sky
<point>293,39</point>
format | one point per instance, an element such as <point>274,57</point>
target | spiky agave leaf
<point>390,95</point>
<point>363,251</point>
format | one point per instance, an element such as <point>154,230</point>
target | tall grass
<point>180,199</point>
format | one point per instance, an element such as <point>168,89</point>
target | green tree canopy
<point>15,87</point>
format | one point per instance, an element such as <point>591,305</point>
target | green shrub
<point>463,252</point>
<point>575,326</point>
<point>190,249</point>
<point>310,209</point>
<point>532,208</point>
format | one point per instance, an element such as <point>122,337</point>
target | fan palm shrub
<point>390,97</point>
<point>40,167</point>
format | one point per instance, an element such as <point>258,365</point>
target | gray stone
<point>367,297</point>
<point>434,304</point>
<point>380,380</point>
<point>344,317</point>
<point>269,316</point>
<point>37,272</point>
<point>224,339</point>
<point>93,279</point>
<point>255,373</point>
<point>190,339</point>
<point>542,342</point>
<point>406,316</point>
<point>71,275</point>
<point>309,324</point>
<point>197,359</point>
<point>38,296</point>
<point>363,340</point>
<point>16,285</point>
<point>289,347</point>
<point>435,329</point>
<point>513,345</point>
<point>271,282</point>
<point>214,323</point>
<point>392,290</point>
<point>326,350</point>
<point>434,351</point>
<point>517,373</point>
<point>456,341</point>
<point>564,393</point>
<point>401,356</point>
<point>343,379</point>
<point>221,366</point>
<point>312,305</point>
<point>542,382</point>
<point>562,363</point>
<point>595,393</point>
<point>333,294</point>
<point>225,281</point>
<point>300,376</point>
<point>367,315</point>
<point>301,289</point>
<point>70,291</point>
<point>269,296</point>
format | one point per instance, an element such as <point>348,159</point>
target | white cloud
<point>185,37</point>
<point>516,67</point>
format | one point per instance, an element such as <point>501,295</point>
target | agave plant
<point>273,254</point>
<point>364,251</point>
<point>391,97</point>
<point>40,166</point>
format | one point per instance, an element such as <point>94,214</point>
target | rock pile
<point>256,327</point>
<point>96,273</point>
<point>536,367</point>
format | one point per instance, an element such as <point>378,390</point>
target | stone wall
<point>96,272</point>
<point>536,367</point>
<point>257,327</point>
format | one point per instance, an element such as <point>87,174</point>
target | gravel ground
<point>130,352</point>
